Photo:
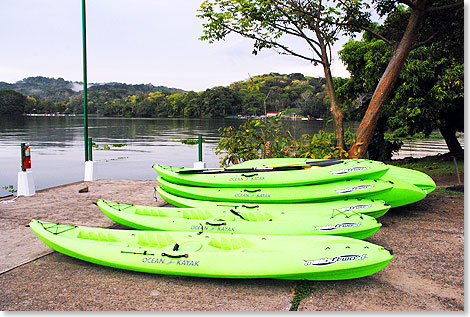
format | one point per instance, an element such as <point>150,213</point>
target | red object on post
<point>27,157</point>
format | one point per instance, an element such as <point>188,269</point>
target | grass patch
<point>432,165</point>
<point>302,290</point>
<point>292,111</point>
<point>445,191</point>
<point>391,137</point>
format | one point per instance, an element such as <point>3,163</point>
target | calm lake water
<point>57,153</point>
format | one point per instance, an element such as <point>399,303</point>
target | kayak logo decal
<point>202,228</point>
<point>352,189</point>
<point>338,226</point>
<point>244,179</point>
<point>336,259</point>
<point>153,260</point>
<point>355,207</point>
<point>349,170</point>
<point>250,195</point>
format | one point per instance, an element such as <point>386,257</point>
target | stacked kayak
<point>417,178</point>
<point>279,175</point>
<point>217,254</point>
<point>373,208</point>
<point>290,181</point>
<point>272,218</point>
<point>346,222</point>
<point>396,192</point>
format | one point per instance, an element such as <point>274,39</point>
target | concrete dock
<point>427,272</point>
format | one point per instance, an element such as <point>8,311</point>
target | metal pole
<point>90,149</point>
<point>200,148</point>
<point>22,157</point>
<point>85,83</point>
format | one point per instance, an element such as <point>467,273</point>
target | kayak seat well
<point>150,212</point>
<point>256,216</point>
<point>155,240</point>
<point>192,213</point>
<point>97,236</point>
<point>230,243</point>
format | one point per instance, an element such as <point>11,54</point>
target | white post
<point>88,171</point>
<point>25,184</point>
<point>199,164</point>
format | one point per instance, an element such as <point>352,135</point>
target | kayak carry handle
<point>216,224</point>
<point>250,175</point>
<point>250,207</point>
<point>175,256</point>
<point>252,190</point>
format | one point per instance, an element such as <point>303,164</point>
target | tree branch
<point>425,42</point>
<point>457,5</point>
<point>409,3</point>
<point>284,48</point>
<point>301,32</point>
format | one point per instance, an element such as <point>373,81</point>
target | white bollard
<point>199,164</point>
<point>25,184</point>
<point>88,171</point>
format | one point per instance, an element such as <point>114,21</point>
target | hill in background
<point>273,92</point>
<point>60,90</point>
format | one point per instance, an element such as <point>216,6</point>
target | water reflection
<point>57,146</point>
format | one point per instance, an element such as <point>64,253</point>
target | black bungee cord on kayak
<point>339,212</point>
<point>262,169</point>
<point>56,227</point>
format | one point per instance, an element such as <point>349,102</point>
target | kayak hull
<point>417,178</point>
<point>327,171</point>
<point>396,192</point>
<point>375,208</point>
<point>217,255</point>
<point>348,223</point>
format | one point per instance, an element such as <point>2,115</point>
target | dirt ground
<point>426,274</point>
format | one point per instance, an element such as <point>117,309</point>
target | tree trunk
<point>334,108</point>
<point>451,139</point>
<point>387,82</point>
<point>330,88</point>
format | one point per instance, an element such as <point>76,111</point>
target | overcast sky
<point>130,41</point>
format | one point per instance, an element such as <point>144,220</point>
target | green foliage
<point>107,146</point>
<point>43,88</point>
<point>269,138</point>
<point>239,98</point>
<point>429,93</point>
<point>10,189</point>
<point>190,141</point>
<point>11,102</point>
<point>302,290</point>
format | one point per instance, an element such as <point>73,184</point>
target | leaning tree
<point>271,23</point>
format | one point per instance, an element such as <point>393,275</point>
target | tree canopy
<point>428,94</point>
<point>296,92</point>
<point>269,22</point>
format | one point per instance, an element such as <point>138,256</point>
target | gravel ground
<point>427,272</point>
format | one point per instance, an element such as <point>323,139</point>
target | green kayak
<point>348,223</point>
<point>417,178</point>
<point>311,172</point>
<point>396,192</point>
<point>216,254</point>
<point>373,208</point>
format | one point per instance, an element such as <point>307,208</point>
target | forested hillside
<point>271,92</point>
